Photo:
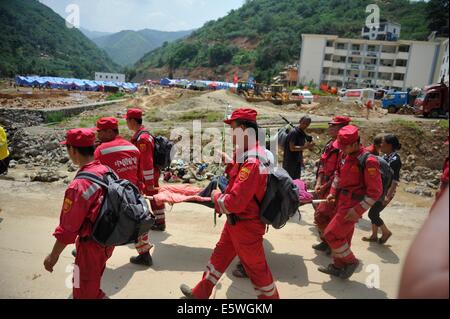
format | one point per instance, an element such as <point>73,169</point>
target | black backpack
<point>387,173</point>
<point>162,154</point>
<point>124,214</point>
<point>281,200</point>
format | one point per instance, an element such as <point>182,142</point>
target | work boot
<point>187,292</point>
<point>239,272</point>
<point>74,253</point>
<point>349,270</point>
<point>331,270</point>
<point>144,260</point>
<point>324,247</point>
<point>161,227</point>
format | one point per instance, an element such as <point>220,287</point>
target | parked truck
<point>433,102</point>
<point>394,101</point>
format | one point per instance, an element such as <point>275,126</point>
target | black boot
<point>324,247</point>
<point>331,270</point>
<point>187,292</point>
<point>349,270</point>
<point>161,227</point>
<point>144,260</point>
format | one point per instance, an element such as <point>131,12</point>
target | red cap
<point>80,137</point>
<point>134,114</point>
<point>340,120</point>
<point>347,135</point>
<point>243,114</point>
<point>107,123</point>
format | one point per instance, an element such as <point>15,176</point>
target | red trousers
<point>245,239</point>
<point>339,233</point>
<point>90,264</point>
<point>323,215</point>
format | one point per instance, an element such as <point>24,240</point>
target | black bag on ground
<point>387,173</point>
<point>124,214</point>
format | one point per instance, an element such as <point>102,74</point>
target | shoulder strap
<point>91,177</point>
<point>138,137</point>
<point>362,159</point>
<point>94,178</point>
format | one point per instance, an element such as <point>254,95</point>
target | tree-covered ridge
<point>35,40</point>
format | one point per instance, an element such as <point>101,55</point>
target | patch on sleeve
<point>244,174</point>
<point>67,205</point>
<point>142,147</point>
<point>372,171</point>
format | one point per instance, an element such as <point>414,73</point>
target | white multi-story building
<point>109,77</point>
<point>361,63</point>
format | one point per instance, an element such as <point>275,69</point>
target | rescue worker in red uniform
<point>82,203</point>
<point>328,165</point>
<point>124,158</point>
<point>355,191</point>
<point>243,233</point>
<point>149,179</point>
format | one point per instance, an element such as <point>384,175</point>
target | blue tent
<point>165,82</point>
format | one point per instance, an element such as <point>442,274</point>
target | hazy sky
<point>166,15</point>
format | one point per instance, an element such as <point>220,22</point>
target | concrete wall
<point>421,65</point>
<point>311,59</point>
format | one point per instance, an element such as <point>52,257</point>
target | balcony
<point>355,67</point>
<point>340,52</point>
<point>403,55</point>
<point>355,53</point>
<point>327,64</point>
<point>339,65</point>
<point>400,69</point>
<point>388,55</point>
<point>386,69</point>
<point>373,54</point>
<point>332,77</point>
<point>370,67</point>
<point>329,50</point>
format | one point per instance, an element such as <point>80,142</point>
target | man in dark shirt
<point>296,143</point>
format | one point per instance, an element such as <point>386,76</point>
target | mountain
<point>262,36</point>
<point>94,34</point>
<point>127,47</point>
<point>35,40</point>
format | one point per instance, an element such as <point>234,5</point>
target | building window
<point>403,48</point>
<point>328,57</point>
<point>330,43</point>
<point>356,47</point>
<point>399,77</point>
<point>341,46</point>
<point>101,76</point>
<point>401,63</point>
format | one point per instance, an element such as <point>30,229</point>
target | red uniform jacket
<point>329,162</point>
<point>122,157</point>
<point>246,188</point>
<point>82,203</point>
<point>351,180</point>
<point>146,146</point>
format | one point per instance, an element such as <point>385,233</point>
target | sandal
<point>370,239</point>
<point>385,240</point>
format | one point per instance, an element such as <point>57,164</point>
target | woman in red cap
<point>355,191</point>
<point>82,203</point>
<point>328,165</point>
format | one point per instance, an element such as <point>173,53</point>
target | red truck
<point>433,102</point>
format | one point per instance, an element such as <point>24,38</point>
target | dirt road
<point>29,214</point>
